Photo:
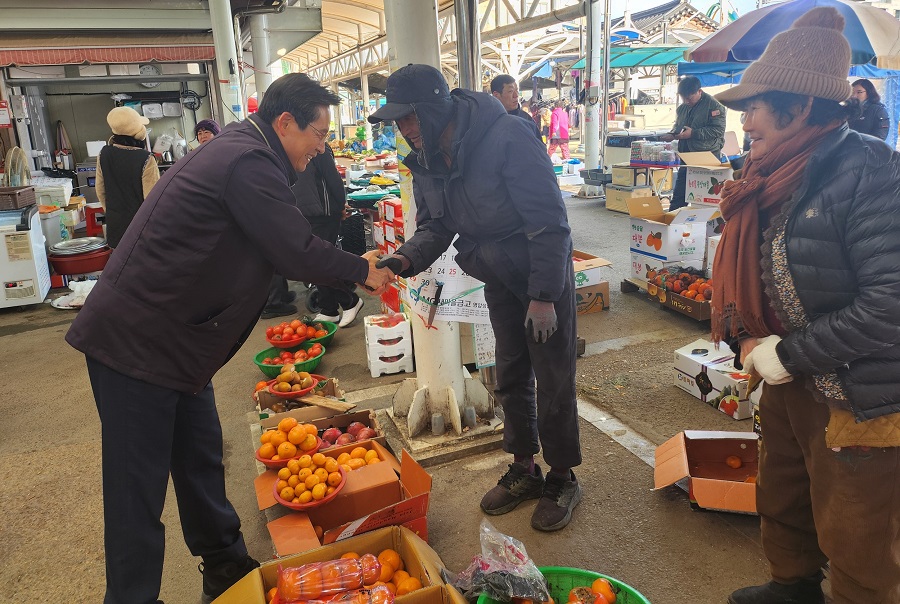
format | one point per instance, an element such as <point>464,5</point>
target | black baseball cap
<point>415,83</point>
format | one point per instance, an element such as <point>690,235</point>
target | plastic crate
<point>561,580</point>
<point>14,198</point>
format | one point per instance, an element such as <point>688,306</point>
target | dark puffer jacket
<point>842,243</point>
<point>500,195</point>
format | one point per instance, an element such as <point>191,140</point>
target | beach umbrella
<point>874,35</point>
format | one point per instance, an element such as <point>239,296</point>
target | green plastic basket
<point>272,371</point>
<point>561,580</point>
<point>325,340</point>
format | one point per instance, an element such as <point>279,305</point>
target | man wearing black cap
<point>480,173</point>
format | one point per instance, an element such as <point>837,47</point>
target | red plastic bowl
<point>78,264</point>
<point>291,345</point>
<point>282,463</point>
<point>314,503</point>
<point>292,395</point>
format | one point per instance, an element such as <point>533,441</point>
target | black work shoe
<point>805,591</point>
<point>554,510</point>
<point>278,310</point>
<point>516,486</point>
<point>218,578</point>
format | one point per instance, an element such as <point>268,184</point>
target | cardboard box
<point>641,264</point>
<point>617,196</point>
<point>419,559</point>
<point>754,409</point>
<point>706,177</point>
<point>378,232</point>
<point>712,243</point>
<point>695,461</point>
<point>389,232</point>
<point>711,376</point>
<point>592,299</point>
<point>626,175</point>
<point>393,210</point>
<point>695,309</point>
<point>668,236</point>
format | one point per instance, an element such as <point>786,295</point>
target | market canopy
<point>641,56</point>
<point>874,35</point>
<point>715,74</point>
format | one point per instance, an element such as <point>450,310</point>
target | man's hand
<point>684,134</point>
<point>540,321</point>
<point>378,279</point>
<point>397,263</point>
<point>667,138</point>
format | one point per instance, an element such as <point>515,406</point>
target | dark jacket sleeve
<point>871,323</point>
<point>534,192</point>
<point>881,123</point>
<point>430,240</point>
<point>334,194</point>
<point>265,209</point>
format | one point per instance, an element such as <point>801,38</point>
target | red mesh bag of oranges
<point>322,581</point>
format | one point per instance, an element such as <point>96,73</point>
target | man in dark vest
<point>505,90</point>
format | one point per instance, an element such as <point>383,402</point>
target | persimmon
<point>603,587</point>
<point>733,461</point>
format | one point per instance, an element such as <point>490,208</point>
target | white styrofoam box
<point>642,263</point>
<point>393,210</point>
<point>172,109</point>
<point>379,367</point>
<point>389,232</point>
<point>52,191</point>
<point>153,111</point>
<point>376,334</point>
<point>93,147</point>
<point>668,236</point>
<point>378,232</point>
<point>710,375</point>
<point>712,245</point>
<point>404,347</point>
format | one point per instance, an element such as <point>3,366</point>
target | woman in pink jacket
<point>559,130</point>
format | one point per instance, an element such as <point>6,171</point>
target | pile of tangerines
<point>288,441</point>
<point>315,477</point>
<point>351,579</point>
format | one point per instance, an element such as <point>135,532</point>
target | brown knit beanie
<point>811,58</point>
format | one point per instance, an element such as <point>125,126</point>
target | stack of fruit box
<point>389,345</point>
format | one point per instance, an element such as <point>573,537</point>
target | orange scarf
<point>765,184</point>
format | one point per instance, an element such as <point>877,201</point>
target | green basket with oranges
<point>561,580</point>
<point>308,361</point>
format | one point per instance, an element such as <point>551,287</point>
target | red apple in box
<point>331,435</point>
<point>365,433</point>
<point>345,439</point>
<point>354,428</point>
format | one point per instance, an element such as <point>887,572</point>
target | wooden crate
<point>14,198</point>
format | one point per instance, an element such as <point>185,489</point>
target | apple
<point>331,435</point>
<point>365,433</point>
<point>345,439</point>
<point>355,427</point>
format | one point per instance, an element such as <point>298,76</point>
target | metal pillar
<point>442,384</point>
<point>468,40</point>
<point>226,62</point>
<point>364,80</point>
<point>592,83</point>
<point>259,38</point>
<point>607,71</point>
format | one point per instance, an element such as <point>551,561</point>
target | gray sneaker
<point>516,486</point>
<point>554,510</point>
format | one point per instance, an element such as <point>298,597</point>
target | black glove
<point>540,321</point>
<point>396,263</point>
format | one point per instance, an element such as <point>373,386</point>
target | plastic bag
<point>373,595</point>
<point>503,570</point>
<point>321,580</point>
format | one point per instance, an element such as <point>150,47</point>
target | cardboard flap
<point>265,489</point>
<point>396,514</point>
<point>724,495</point>
<point>701,159</point>
<point>719,434</point>
<point>292,534</point>
<point>586,261</point>
<point>693,215</point>
<point>431,562</point>
<point>649,208</point>
<point>415,479</point>
<point>671,462</point>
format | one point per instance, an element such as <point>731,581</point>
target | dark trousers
<point>149,432</point>
<point>550,420</point>
<point>817,505</point>
<point>679,192</point>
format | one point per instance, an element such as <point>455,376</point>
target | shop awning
<point>33,49</point>
<point>641,56</point>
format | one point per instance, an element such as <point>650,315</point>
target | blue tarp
<point>718,74</point>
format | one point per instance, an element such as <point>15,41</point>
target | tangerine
<point>281,484</point>
<point>346,468</point>
<point>304,473</point>
<point>319,459</point>
<point>349,556</point>
<point>387,571</point>
<point>294,466</point>
<point>322,473</point>
<point>373,461</point>
<point>304,461</point>
<point>277,438</point>
<point>389,556</point>
<point>400,575</point>
<point>311,481</point>
<point>356,463</point>
<point>287,493</point>
<point>331,465</point>
<point>380,596</point>
<point>391,587</point>
<point>370,454</point>
<point>260,386</point>
<point>265,436</point>
<point>331,571</point>
<point>310,428</point>
<point>358,453</point>
<point>343,457</point>
<point>371,568</point>
<point>293,480</point>
<point>309,443</point>
<point>334,479</point>
<point>305,497</point>
<point>284,473</point>
<point>266,451</point>
<point>287,450</point>
<point>318,491</point>
<point>733,461</point>
<point>409,585</point>
<point>297,435</point>
<point>311,583</point>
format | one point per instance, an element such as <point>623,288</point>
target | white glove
<point>764,360</point>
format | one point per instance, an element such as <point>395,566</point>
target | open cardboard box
<point>710,375</point>
<point>695,461</point>
<point>269,405</point>
<point>591,287</point>
<point>418,558</point>
<point>706,177</point>
<point>673,236</point>
<point>374,496</point>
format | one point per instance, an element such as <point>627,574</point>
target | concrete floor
<point>51,531</point>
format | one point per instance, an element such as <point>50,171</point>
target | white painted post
<point>226,61</point>
<point>259,40</point>
<point>364,80</point>
<point>592,79</point>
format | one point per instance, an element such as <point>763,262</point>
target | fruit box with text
<point>668,236</point>
<point>711,376</point>
<point>419,560</point>
<point>705,178</point>
<point>388,493</point>
<point>591,288</point>
<point>717,469</point>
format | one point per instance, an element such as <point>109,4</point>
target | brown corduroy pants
<point>817,505</point>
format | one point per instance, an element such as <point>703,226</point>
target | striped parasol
<point>874,34</point>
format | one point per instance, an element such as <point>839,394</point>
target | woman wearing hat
<point>126,171</point>
<point>206,130</point>
<point>808,292</point>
